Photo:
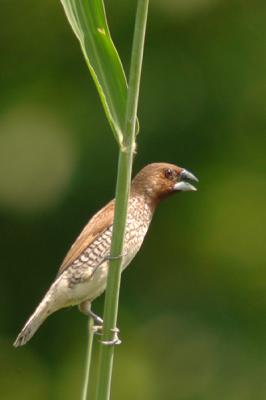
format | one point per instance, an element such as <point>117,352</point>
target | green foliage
<point>88,21</point>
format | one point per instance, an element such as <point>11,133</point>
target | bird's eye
<point>168,173</point>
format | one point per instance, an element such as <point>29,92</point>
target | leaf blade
<point>88,21</point>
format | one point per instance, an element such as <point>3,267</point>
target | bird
<point>82,276</point>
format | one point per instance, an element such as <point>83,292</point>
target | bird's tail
<point>34,322</point>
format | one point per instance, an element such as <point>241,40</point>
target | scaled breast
<point>138,220</point>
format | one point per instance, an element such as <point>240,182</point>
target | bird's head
<point>159,180</point>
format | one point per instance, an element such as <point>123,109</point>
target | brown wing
<point>96,225</point>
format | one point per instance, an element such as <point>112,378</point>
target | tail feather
<point>33,323</point>
<point>56,297</point>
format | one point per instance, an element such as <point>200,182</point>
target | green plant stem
<point>88,359</point>
<point>104,377</point>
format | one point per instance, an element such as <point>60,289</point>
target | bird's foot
<point>98,324</point>
<point>97,330</point>
<point>85,308</point>
<point>98,320</point>
<point>114,341</point>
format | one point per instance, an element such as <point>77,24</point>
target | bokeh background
<point>192,310</point>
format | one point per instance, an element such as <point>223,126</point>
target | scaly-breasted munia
<point>83,274</point>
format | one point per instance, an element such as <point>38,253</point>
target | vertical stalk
<point>88,359</point>
<point>104,377</point>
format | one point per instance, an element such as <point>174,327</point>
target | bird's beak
<point>183,185</point>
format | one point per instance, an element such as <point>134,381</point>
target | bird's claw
<point>113,342</point>
<point>97,330</point>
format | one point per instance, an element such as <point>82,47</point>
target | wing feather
<point>94,228</point>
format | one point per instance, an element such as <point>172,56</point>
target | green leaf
<point>88,21</point>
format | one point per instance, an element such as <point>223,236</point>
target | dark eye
<point>168,173</point>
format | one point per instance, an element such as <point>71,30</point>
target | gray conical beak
<point>188,176</point>
<point>183,185</point>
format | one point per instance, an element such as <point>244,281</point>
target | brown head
<point>159,180</point>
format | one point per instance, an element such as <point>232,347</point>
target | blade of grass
<point>88,21</point>
<point>122,193</point>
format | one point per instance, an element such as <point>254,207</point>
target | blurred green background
<point>192,309</point>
